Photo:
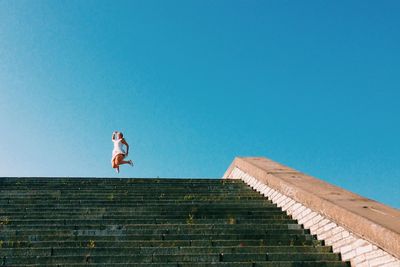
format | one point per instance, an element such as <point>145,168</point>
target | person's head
<point>120,135</point>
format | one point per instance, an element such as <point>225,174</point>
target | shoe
<point>131,163</point>
<point>117,170</point>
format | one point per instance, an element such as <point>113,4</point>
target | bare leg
<point>119,159</point>
<point>114,163</point>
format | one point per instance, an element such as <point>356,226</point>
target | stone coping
<point>366,218</point>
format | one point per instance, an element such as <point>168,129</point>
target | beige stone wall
<point>352,246</point>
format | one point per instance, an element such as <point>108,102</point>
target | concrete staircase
<point>149,222</point>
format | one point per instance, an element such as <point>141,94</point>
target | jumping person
<point>119,154</point>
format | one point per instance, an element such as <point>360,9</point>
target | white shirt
<point>118,147</point>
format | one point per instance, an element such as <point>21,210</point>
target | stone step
<point>137,204</point>
<point>109,183</point>
<point>155,231</point>
<point>214,264</point>
<point>151,214</point>
<point>94,186</point>
<point>57,251</point>
<point>122,201</point>
<point>162,237</point>
<point>169,208</point>
<point>160,227</point>
<point>69,180</point>
<point>129,198</point>
<point>71,188</point>
<point>117,185</point>
<point>32,192</point>
<point>159,243</point>
<point>184,193</point>
<point>141,203</point>
<point>107,221</point>
<point>164,258</point>
<point>149,194</point>
<point>154,218</point>
<point>44,191</point>
<point>162,214</point>
<point>137,208</point>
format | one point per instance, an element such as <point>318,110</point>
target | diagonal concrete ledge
<point>362,217</point>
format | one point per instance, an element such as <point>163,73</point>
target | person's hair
<point>121,135</point>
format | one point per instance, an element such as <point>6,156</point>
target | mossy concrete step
<point>108,185</point>
<point>31,191</point>
<point>155,231</point>
<point>159,243</point>
<point>151,200</point>
<point>136,214</point>
<point>144,210</point>
<point>73,221</point>
<point>214,264</point>
<point>187,181</point>
<point>57,251</point>
<point>116,182</point>
<point>164,258</point>
<point>164,214</point>
<point>141,203</point>
<point>200,264</point>
<point>152,204</point>
<point>155,208</point>
<point>150,219</point>
<point>159,227</point>
<point>118,185</point>
<point>71,180</point>
<point>127,200</point>
<point>132,196</point>
<point>132,201</point>
<point>122,190</point>
<point>119,236</point>
<point>166,204</point>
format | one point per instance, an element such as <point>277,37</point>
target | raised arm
<point>113,135</point>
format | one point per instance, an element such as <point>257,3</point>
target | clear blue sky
<point>314,85</point>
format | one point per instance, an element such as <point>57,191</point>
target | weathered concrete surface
<point>366,218</point>
<point>149,222</point>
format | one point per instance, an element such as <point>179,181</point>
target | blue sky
<point>314,85</point>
